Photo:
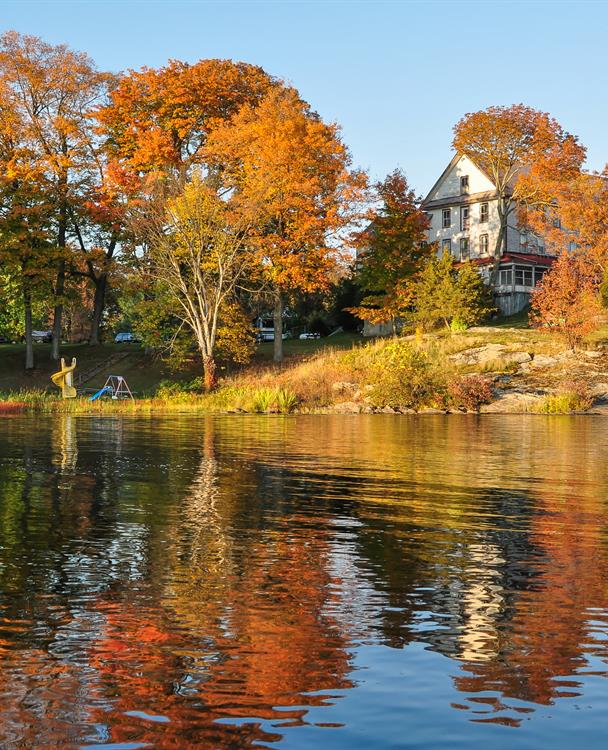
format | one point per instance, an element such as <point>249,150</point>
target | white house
<point>462,207</point>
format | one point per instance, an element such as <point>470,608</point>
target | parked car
<point>125,338</point>
<point>269,336</point>
<point>42,337</point>
<point>304,336</point>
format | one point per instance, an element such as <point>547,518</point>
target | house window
<point>538,275</point>
<point>464,217</point>
<point>464,184</point>
<point>556,222</point>
<point>429,218</point>
<point>446,215</point>
<point>484,244</point>
<point>464,248</point>
<point>484,212</point>
<point>523,276</point>
<point>446,246</point>
<point>505,277</point>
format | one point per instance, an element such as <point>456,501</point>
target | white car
<point>124,338</point>
<point>310,336</point>
<point>42,337</point>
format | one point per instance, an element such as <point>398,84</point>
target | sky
<point>395,75</point>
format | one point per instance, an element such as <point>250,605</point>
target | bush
<point>470,392</point>
<point>572,396</point>
<point>450,293</point>
<point>567,300</point>
<point>403,376</point>
<point>178,390</point>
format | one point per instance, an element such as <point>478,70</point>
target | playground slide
<point>101,391</point>
<point>64,379</point>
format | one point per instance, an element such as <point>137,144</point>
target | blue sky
<point>396,75</point>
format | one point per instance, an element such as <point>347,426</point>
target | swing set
<point>116,387</point>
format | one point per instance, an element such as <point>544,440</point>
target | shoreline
<point>148,407</point>
<point>484,370</point>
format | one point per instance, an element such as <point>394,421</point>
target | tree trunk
<point>60,285</point>
<point>101,283</point>
<point>209,373</point>
<point>29,342</point>
<point>58,311</point>
<point>278,329</point>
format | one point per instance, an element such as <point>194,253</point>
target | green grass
<point>142,372</point>
<point>519,320</point>
<point>295,347</point>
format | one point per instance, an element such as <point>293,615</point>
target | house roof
<point>463,199</point>
<point>426,203</point>
<point>453,161</point>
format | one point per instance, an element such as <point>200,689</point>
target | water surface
<point>303,582</point>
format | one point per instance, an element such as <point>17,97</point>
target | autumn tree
<point>198,256</point>
<point>154,127</point>
<point>449,292</point>
<point>391,251</point>
<point>577,217</point>
<point>50,91</point>
<point>26,234</point>
<point>158,120</point>
<point>567,300</point>
<point>290,172</point>
<point>515,146</point>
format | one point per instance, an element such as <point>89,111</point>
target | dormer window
<point>464,184</point>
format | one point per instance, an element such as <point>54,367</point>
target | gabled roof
<point>453,161</point>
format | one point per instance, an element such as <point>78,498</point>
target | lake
<point>304,582</point>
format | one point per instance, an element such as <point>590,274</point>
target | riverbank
<point>484,369</point>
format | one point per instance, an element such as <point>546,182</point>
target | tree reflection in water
<point>208,582</point>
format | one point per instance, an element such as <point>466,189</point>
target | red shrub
<point>470,392</point>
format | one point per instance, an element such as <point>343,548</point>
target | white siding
<point>450,185</point>
<point>437,233</point>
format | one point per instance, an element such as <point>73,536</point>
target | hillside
<point>501,369</point>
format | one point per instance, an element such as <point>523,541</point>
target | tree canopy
<point>391,251</point>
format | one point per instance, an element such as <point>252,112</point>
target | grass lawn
<point>142,372</point>
<point>295,347</point>
<point>519,320</point>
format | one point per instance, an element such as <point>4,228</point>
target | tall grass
<point>570,398</point>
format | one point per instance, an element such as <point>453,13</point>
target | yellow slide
<point>64,379</point>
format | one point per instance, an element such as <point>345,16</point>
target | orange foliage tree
<point>159,119</point>
<point>291,172</point>
<point>391,251</point>
<point>154,127</point>
<point>567,300</point>
<point>578,215</point>
<point>517,147</point>
<point>49,91</point>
